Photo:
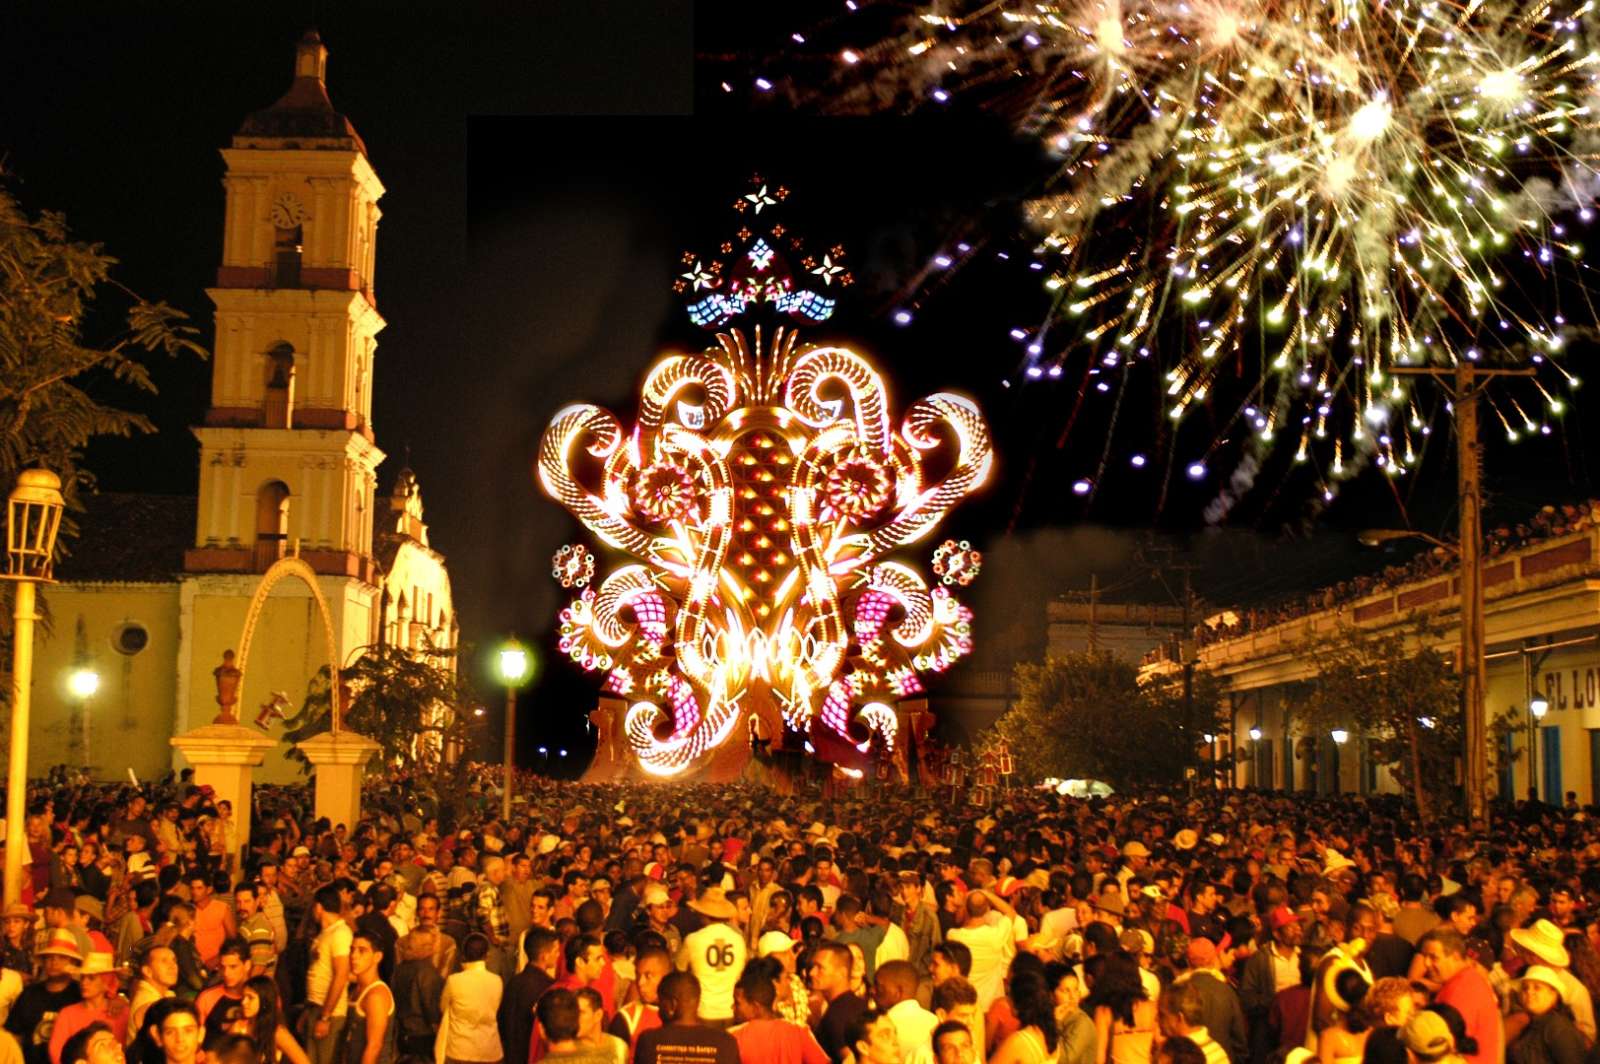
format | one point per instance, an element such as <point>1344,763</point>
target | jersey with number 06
<point>715,954</point>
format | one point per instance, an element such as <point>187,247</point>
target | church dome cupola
<point>303,117</point>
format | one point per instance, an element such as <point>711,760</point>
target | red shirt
<point>1472,996</point>
<point>777,1042</point>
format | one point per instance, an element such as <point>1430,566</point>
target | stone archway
<point>292,566</point>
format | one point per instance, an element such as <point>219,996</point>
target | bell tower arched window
<point>278,402</point>
<point>272,523</point>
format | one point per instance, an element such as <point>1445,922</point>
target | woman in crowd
<point>1345,1040</point>
<point>265,1023</point>
<point>1124,1016</point>
<point>1037,1035</point>
<point>1550,1036</point>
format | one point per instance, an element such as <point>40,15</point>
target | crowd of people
<point>1548,523</point>
<point>660,924</point>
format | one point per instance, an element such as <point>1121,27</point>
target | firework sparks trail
<point>1301,193</point>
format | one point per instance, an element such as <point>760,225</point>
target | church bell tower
<point>287,458</point>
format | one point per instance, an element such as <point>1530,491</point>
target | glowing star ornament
<point>956,563</point>
<point>573,565</point>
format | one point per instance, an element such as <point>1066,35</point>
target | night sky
<point>543,177</point>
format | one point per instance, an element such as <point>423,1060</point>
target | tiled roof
<point>124,536</point>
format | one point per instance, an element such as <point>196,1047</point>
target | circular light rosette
<point>573,565</point>
<point>664,492</point>
<point>956,563</point>
<point>857,488</point>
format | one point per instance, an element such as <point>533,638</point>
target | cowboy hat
<point>1111,903</point>
<point>17,911</point>
<point>99,963</point>
<point>1333,861</point>
<point>1545,941</point>
<point>1135,849</point>
<point>713,902</point>
<point>1539,973</point>
<point>62,944</point>
<point>1186,839</point>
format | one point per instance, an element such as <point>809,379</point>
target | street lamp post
<point>33,518</point>
<point>513,671</point>
<point>1537,708</point>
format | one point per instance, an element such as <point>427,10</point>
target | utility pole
<point>1186,635</point>
<point>1464,383</point>
<point>1094,603</point>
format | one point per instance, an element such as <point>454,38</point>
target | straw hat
<point>99,963</point>
<point>713,902</point>
<point>1186,839</point>
<point>1539,973</point>
<point>61,943</point>
<point>1334,862</point>
<point>1545,941</point>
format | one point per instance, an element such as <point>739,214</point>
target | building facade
<point>159,588</point>
<point>1542,625</point>
<point>1126,631</point>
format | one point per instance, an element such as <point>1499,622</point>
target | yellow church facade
<point>157,588</point>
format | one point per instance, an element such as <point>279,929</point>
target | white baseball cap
<point>773,942</point>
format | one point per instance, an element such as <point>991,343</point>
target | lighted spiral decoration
<point>761,515</point>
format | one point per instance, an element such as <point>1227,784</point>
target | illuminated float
<point>760,495</point>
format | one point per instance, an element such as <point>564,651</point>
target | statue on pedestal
<point>227,675</point>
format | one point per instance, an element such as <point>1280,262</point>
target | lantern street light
<point>1255,735</point>
<point>82,683</point>
<point>33,517</point>
<point>514,669</point>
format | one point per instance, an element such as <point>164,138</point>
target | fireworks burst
<point>1302,194</point>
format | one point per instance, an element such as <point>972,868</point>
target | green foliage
<point>50,371</point>
<point>413,703</point>
<point>1396,688</point>
<point>1087,716</point>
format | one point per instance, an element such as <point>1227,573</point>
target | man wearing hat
<point>97,981</point>
<point>1274,967</point>
<point>657,903</point>
<point>715,954</point>
<point>794,1000</point>
<point>1427,1037</point>
<point>1543,943</point>
<point>36,1008</point>
<point>60,909</point>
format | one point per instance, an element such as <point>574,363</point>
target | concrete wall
<point>131,715</point>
